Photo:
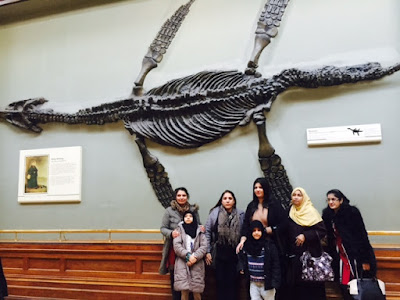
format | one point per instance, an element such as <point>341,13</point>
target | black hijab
<point>253,246</point>
<point>190,229</point>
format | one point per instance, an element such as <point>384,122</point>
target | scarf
<point>181,209</point>
<point>305,214</point>
<point>253,246</point>
<point>228,227</point>
<point>190,229</point>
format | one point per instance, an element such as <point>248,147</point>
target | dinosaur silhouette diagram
<point>355,130</point>
<point>198,109</point>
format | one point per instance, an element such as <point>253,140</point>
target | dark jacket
<point>272,269</point>
<point>277,220</point>
<point>313,234</point>
<point>350,226</point>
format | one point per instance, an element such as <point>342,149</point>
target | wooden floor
<point>94,270</point>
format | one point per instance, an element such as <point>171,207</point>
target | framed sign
<point>350,134</point>
<point>50,175</point>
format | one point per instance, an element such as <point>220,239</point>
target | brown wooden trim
<point>127,270</point>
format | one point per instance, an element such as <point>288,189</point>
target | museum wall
<point>91,56</point>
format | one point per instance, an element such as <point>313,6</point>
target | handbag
<point>316,268</point>
<point>367,288</point>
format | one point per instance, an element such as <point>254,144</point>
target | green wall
<point>93,55</point>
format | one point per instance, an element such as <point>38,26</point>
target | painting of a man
<point>36,173</point>
<point>32,176</point>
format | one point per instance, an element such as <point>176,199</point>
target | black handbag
<point>367,289</point>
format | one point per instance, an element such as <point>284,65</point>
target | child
<point>262,261</point>
<point>190,248</point>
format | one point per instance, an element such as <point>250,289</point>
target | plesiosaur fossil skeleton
<point>198,109</point>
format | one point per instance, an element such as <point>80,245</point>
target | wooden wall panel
<point>123,271</point>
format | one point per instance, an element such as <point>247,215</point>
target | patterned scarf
<point>228,227</point>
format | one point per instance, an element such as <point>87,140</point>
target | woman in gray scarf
<point>223,234</point>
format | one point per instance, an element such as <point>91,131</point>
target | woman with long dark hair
<point>265,209</point>
<point>348,242</point>
<point>272,215</point>
<point>223,233</point>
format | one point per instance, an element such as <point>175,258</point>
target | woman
<point>172,217</point>
<point>348,242</point>
<point>265,209</point>
<point>223,232</point>
<point>305,231</point>
<point>271,214</point>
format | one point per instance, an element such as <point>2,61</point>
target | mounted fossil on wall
<point>198,109</point>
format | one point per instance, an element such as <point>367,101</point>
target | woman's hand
<point>175,234</point>
<point>268,230</point>
<point>208,259</point>
<point>300,239</point>
<point>240,246</point>
<point>202,229</point>
<point>366,267</point>
<point>192,259</point>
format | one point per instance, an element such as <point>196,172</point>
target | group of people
<point>264,244</point>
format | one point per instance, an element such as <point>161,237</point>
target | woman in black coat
<point>346,232</point>
<point>268,211</point>
<point>304,233</point>
<point>272,215</point>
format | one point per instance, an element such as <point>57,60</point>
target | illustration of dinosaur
<point>355,130</point>
<point>198,109</point>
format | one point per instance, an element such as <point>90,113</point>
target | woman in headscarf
<point>305,231</point>
<point>348,242</point>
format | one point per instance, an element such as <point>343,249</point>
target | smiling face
<point>259,191</point>
<point>334,202</point>
<point>228,201</point>
<point>181,197</point>
<point>297,198</point>
<point>188,219</point>
<point>257,233</point>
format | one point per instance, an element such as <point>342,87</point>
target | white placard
<point>350,134</point>
<point>50,175</point>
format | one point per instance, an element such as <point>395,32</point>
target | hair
<point>188,212</point>
<point>181,189</point>
<point>268,197</point>
<point>219,203</point>
<point>338,194</point>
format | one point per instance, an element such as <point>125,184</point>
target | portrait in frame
<point>50,175</point>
